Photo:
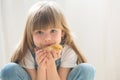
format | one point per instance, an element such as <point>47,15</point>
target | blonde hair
<point>44,14</point>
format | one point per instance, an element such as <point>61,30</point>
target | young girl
<point>46,26</point>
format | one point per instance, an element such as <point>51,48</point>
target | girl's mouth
<point>47,45</point>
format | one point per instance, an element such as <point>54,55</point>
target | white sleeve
<point>68,57</point>
<point>29,61</point>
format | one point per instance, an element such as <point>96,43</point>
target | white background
<point>94,23</point>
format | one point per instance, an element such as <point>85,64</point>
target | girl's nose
<point>47,38</point>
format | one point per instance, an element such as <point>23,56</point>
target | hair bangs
<point>47,18</point>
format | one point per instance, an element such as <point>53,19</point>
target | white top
<point>68,59</point>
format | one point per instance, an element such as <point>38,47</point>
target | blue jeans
<point>13,71</point>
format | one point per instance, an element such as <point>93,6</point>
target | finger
<point>49,55</point>
<point>36,49</point>
<point>43,63</point>
<point>58,54</point>
<point>41,59</point>
<point>54,54</point>
<point>40,55</point>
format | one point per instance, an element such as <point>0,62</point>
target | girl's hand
<point>50,61</point>
<point>52,56</point>
<point>40,58</point>
<point>55,54</point>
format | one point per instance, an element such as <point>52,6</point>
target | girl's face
<point>43,38</point>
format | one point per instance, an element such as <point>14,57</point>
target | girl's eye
<point>53,31</point>
<point>39,32</point>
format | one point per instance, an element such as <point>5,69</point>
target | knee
<point>9,69</point>
<point>83,71</point>
<point>86,69</point>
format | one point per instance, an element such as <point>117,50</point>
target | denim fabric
<point>13,71</point>
<point>58,62</point>
<point>83,71</point>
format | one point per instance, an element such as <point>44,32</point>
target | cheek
<point>57,38</point>
<point>37,41</point>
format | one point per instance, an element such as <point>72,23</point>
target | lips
<point>48,44</point>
